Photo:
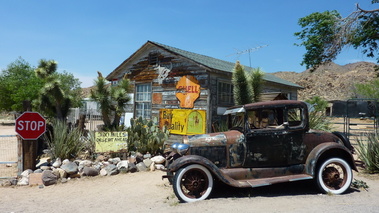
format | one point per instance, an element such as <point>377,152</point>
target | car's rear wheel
<point>334,176</point>
<point>193,183</point>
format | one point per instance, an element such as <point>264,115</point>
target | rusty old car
<point>267,143</point>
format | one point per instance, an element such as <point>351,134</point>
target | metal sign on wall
<point>188,90</point>
<point>183,121</point>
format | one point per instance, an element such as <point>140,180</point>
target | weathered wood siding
<point>163,95</point>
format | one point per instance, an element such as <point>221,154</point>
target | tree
<point>256,82</point>
<point>368,90</point>
<point>241,88</point>
<point>59,92</point>
<point>325,34</point>
<point>112,100</point>
<point>17,84</point>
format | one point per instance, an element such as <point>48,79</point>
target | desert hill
<point>331,81</point>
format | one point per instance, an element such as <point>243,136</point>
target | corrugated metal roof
<point>218,64</point>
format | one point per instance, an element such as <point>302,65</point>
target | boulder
<point>132,167</point>
<point>152,166</point>
<point>62,173</point>
<point>24,181</point>
<point>38,171</point>
<point>48,178</point>
<point>122,166</point>
<point>103,172</point>
<point>147,155</point>
<point>159,166</point>
<point>158,159</point>
<point>65,161</point>
<point>147,162</point>
<point>6,183</point>
<point>84,163</point>
<point>111,169</point>
<point>114,160</point>
<point>26,173</point>
<point>141,167</point>
<point>89,171</point>
<point>57,163</point>
<point>70,167</point>
<point>45,168</point>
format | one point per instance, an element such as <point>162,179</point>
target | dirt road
<point>147,192</point>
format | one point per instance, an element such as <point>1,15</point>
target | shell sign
<point>188,90</point>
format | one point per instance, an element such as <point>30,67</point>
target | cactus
<point>145,136</point>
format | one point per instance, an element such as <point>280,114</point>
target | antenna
<point>248,51</point>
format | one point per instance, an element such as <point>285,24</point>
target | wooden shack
<point>187,91</point>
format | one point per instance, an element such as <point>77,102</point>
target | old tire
<point>334,176</point>
<point>193,183</point>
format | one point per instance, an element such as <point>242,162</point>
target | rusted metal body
<point>250,156</point>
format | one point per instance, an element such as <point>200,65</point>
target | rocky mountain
<point>331,81</point>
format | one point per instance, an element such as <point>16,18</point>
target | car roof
<point>270,104</point>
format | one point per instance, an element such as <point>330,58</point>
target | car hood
<point>214,139</point>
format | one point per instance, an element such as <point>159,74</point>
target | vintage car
<point>267,143</point>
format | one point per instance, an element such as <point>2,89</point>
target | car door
<point>266,141</point>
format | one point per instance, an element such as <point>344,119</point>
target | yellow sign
<point>110,141</point>
<point>188,90</point>
<point>183,121</point>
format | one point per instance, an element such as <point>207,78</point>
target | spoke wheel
<point>193,183</point>
<point>334,176</point>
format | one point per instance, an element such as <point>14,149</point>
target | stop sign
<point>30,125</point>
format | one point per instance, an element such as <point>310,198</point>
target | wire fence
<point>8,156</point>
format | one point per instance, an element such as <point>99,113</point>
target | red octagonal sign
<point>30,125</point>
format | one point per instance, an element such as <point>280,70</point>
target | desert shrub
<point>368,152</point>
<point>145,136</point>
<point>63,142</point>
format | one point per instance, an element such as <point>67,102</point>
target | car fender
<point>325,150</point>
<point>196,159</point>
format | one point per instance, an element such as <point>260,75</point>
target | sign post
<point>30,126</point>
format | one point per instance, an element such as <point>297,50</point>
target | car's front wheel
<point>193,183</point>
<point>334,176</point>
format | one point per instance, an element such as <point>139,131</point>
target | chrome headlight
<point>180,148</point>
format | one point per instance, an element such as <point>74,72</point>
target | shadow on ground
<point>307,187</point>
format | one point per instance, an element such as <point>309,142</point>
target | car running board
<point>268,181</point>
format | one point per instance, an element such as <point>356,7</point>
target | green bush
<point>368,152</point>
<point>145,136</point>
<point>63,142</point>
<point>317,118</point>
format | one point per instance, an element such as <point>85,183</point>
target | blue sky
<point>86,36</point>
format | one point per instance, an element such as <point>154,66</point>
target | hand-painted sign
<point>183,121</point>
<point>188,90</point>
<point>110,141</point>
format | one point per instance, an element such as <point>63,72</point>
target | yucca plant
<point>64,142</point>
<point>368,152</point>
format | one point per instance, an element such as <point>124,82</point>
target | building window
<point>143,101</point>
<point>153,58</point>
<point>225,93</point>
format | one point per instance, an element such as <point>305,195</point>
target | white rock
<point>122,164</point>
<point>159,166</point>
<point>152,166</point>
<point>26,173</point>
<point>158,159</point>
<point>24,181</point>
<point>103,172</point>
<point>57,163</point>
<point>65,161</point>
